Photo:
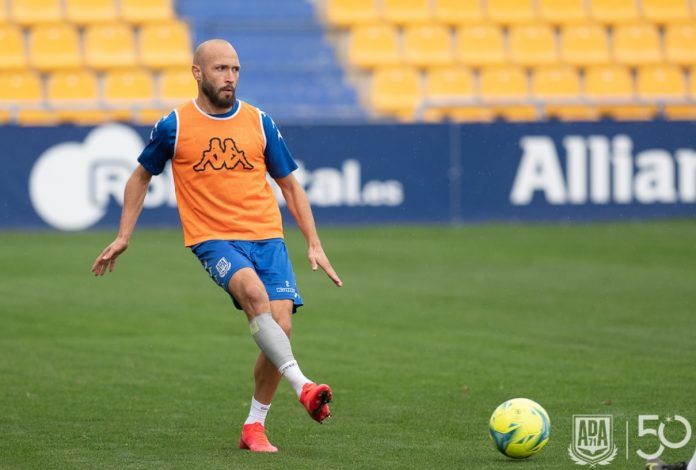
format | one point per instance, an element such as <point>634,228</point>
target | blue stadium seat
<point>289,69</point>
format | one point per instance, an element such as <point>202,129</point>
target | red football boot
<point>254,439</point>
<point>315,399</point>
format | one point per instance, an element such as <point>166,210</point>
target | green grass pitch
<point>150,366</point>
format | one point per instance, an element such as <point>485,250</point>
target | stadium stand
<point>333,60</point>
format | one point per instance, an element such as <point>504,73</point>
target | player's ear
<point>196,71</point>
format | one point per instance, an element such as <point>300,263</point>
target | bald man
<point>220,150</point>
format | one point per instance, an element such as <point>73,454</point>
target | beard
<point>215,96</point>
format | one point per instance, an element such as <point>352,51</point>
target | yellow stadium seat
<point>685,110</point>
<point>562,11</point>
<point>680,43</point>
<point>87,117</point>
<point>406,11</point>
<point>177,86</point>
<point>557,82</point>
<point>503,83</point>
<point>37,117</point>
<point>511,11</point>
<point>4,115</point>
<point>109,45</point>
<point>12,54</point>
<point>532,45</point>
<point>584,44</point>
<point>427,45</point>
<point>165,44</point>
<point>374,45</point>
<point>663,11</point>
<point>455,12</point>
<point>90,11</point>
<point>450,82</point>
<point>480,45</point>
<point>351,12</point>
<point>77,87</point>
<point>3,13</point>
<point>396,91</point>
<point>31,12</point>
<point>143,11</point>
<point>614,11</point>
<point>661,82</point>
<point>614,83</point>
<point>148,116</point>
<point>636,44</point>
<point>54,46</point>
<point>559,86</point>
<point>127,87</point>
<point>20,87</point>
<point>608,82</point>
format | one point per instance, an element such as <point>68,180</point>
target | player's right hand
<point>107,258</point>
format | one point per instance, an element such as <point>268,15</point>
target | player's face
<point>219,82</point>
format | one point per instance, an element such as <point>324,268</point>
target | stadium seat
<point>614,11</point>
<point>20,87</point>
<point>31,12</point>
<point>406,11</point>
<point>562,11</point>
<point>663,11</point>
<point>451,84</point>
<point>684,110</point>
<point>396,91</point>
<point>680,43</point>
<point>177,86</point>
<point>508,83</point>
<point>614,83</point>
<point>77,87</point>
<point>54,46</point>
<point>456,12</point>
<point>351,12</point>
<point>584,44</point>
<point>636,44</point>
<point>165,44</point>
<point>557,82</point>
<point>532,45</point>
<point>511,11</point>
<point>3,13</point>
<point>559,87</point>
<point>84,12</point>
<point>481,44</point>
<point>12,53</point>
<point>428,45</point>
<point>148,116</point>
<point>127,87</point>
<point>374,45</point>
<point>143,11</point>
<point>109,45</point>
<point>88,117</point>
<point>37,117</point>
<point>661,82</point>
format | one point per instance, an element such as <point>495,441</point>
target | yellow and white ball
<point>520,428</point>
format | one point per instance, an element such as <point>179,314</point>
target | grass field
<point>150,367</point>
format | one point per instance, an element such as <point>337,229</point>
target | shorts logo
<point>592,440</point>
<point>221,155</point>
<point>287,288</point>
<point>223,266</point>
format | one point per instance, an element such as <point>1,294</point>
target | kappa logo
<point>593,442</point>
<point>223,154</point>
<point>287,289</point>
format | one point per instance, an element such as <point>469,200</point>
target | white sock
<point>291,371</point>
<point>692,463</point>
<point>257,412</point>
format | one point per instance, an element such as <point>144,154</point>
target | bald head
<point>212,49</point>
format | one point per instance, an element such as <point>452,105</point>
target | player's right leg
<point>246,287</point>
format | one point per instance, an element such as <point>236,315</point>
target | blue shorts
<point>268,258</point>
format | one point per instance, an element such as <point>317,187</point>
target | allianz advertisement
<point>72,178</point>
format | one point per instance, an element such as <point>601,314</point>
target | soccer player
<point>221,149</point>
<point>659,464</point>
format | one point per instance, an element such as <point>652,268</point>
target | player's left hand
<point>107,258</point>
<point>317,258</point>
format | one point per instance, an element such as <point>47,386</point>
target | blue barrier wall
<point>72,178</point>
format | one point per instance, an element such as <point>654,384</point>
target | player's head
<point>216,69</point>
